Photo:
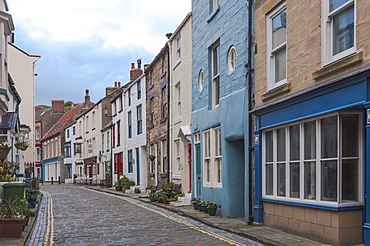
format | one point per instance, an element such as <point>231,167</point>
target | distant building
<point>157,117</point>
<point>180,47</point>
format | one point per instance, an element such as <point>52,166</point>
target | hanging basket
<point>4,153</point>
<point>21,147</point>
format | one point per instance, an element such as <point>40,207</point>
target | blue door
<point>137,166</point>
<point>198,170</point>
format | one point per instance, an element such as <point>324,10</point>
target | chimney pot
<point>132,65</point>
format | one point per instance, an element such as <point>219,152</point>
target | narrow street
<point>80,216</point>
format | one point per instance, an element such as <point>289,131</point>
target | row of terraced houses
<point>261,106</point>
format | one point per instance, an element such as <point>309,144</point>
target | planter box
<point>11,228</point>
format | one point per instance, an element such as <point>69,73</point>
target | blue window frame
<point>138,84</point>
<point>129,161</point>
<point>67,147</point>
<point>139,116</point>
<point>129,123</point>
<point>129,96</point>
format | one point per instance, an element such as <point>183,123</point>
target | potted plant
<point>153,197</point>
<point>200,205</point>
<point>151,157</point>
<point>118,184</point>
<point>137,190</point>
<point>4,149</point>
<point>212,208</point>
<point>31,196</point>
<point>22,145</point>
<point>13,214</point>
<point>195,202</point>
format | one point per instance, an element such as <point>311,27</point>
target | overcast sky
<point>90,44</point>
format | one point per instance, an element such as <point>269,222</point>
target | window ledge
<point>176,176</point>
<point>335,66</point>
<point>163,119</point>
<point>176,64</point>
<point>178,120</point>
<point>276,91</point>
<point>212,15</point>
<point>151,126</point>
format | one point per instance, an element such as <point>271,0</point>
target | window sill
<point>178,120</point>
<point>335,66</point>
<point>315,204</point>
<point>121,110</point>
<point>276,91</point>
<point>163,119</point>
<point>163,74</point>
<point>151,126</point>
<point>151,86</point>
<point>176,64</point>
<point>212,15</point>
<point>176,176</point>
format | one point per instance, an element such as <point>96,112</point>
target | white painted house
<point>180,46</point>
<point>134,128</point>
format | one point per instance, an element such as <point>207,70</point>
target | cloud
<point>90,44</point>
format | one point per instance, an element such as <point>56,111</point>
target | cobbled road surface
<point>80,216</point>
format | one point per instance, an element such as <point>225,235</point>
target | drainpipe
<point>250,70</point>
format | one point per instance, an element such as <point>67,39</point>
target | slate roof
<point>59,126</point>
<point>9,120</point>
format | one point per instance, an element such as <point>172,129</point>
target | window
<point>164,103</point>
<point>129,161</point>
<point>102,142</point>
<point>118,133</point>
<point>215,75</point>
<point>201,80</point>
<point>139,114</point>
<point>138,86</point>
<point>38,154</point>
<point>318,160</point>
<point>129,96</point>
<point>108,141</point>
<point>129,124</point>
<point>338,29</point>
<point>232,59</point>
<point>213,5</point>
<point>164,156</point>
<point>276,46</point>
<point>212,162</point>
<point>178,100</point>
<point>178,47</point>
<point>38,135</point>
<point>74,130</point>
<point>77,148</point>
<point>177,154</point>
<point>67,147</point>
<point>118,168</point>
<point>68,171</point>
<point>113,135</point>
<point>67,133</point>
<point>120,100</point>
<point>151,105</point>
<point>152,163</point>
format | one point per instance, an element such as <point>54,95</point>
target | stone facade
<point>157,116</point>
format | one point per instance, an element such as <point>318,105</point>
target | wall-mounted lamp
<point>106,111</point>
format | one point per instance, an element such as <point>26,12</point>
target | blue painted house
<point>220,96</point>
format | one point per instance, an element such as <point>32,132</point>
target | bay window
<point>318,160</point>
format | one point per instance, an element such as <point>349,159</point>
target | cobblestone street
<point>79,216</point>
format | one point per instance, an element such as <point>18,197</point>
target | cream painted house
<point>22,70</point>
<point>180,49</point>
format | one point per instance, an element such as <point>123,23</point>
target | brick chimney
<point>109,90</point>
<point>87,96</point>
<point>57,106</point>
<point>135,72</point>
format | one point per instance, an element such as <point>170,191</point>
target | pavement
<point>263,234</point>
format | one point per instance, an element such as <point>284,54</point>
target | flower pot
<point>212,211</point>
<point>200,207</point>
<point>11,227</point>
<point>32,202</point>
<point>205,209</point>
<point>195,205</point>
<point>4,153</point>
<point>153,199</point>
<point>118,188</point>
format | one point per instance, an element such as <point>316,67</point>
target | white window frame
<point>212,160</point>
<point>177,159</point>
<point>164,156</point>
<point>215,63</point>
<point>271,84</point>
<point>178,47</point>
<point>231,59</point>
<point>214,5</point>
<point>339,202</point>
<point>201,80</point>
<point>328,30</point>
<point>178,100</point>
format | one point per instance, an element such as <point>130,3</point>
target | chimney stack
<point>57,106</point>
<point>135,72</point>
<point>87,96</point>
